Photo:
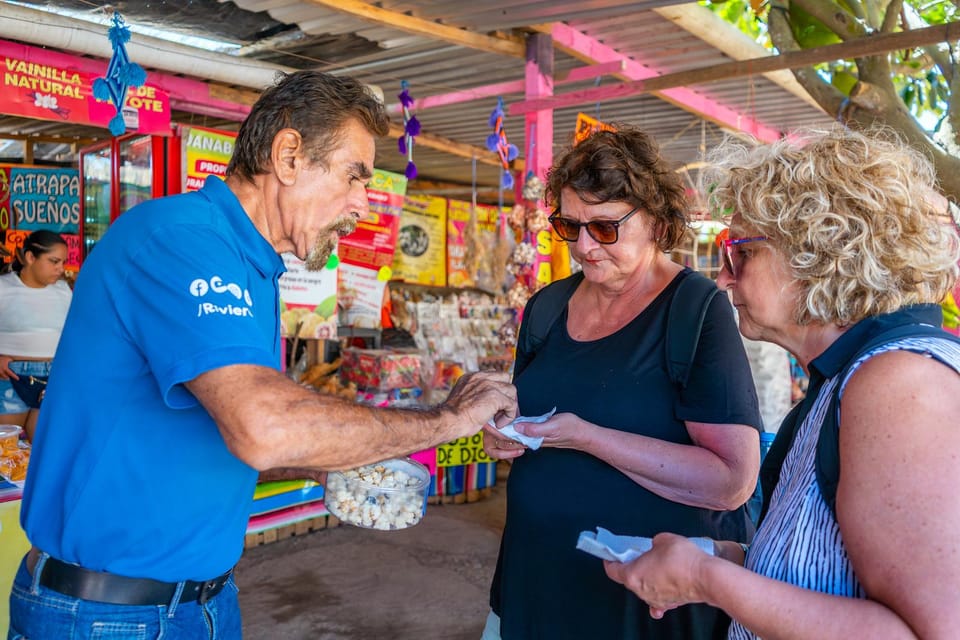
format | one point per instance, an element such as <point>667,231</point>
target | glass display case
<point>136,172</point>
<point>96,186</point>
<point>121,173</point>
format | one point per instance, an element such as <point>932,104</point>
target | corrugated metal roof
<point>301,33</point>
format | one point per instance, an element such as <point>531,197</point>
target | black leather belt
<point>97,586</point>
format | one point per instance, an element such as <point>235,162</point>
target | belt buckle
<point>211,588</point>
<point>205,589</point>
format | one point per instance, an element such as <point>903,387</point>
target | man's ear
<point>286,155</point>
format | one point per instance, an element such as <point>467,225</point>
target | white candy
<point>375,496</point>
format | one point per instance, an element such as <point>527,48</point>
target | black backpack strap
<point>684,323</point>
<point>827,461</point>
<point>548,306</point>
<point>782,442</point>
<point>542,312</point>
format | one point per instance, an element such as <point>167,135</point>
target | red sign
<point>33,86</point>
<point>373,243</point>
<point>73,252</point>
<point>4,198</point>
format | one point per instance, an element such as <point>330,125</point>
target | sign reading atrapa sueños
<point>40,198</point>
<point>43,85</point>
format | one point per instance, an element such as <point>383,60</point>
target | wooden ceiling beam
<point>578,74</point>
<point>874,44</point>
<point>514,47</point>
<point>52,139</point>
<point>485,193</point>
<point>455,148</point>
<point>724,36</point>
<point>587,48</point>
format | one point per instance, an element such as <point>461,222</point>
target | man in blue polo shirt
<point>166,398</point>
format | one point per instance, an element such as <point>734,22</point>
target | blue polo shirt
<point>129,474</point>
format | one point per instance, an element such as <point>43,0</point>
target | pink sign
<point>427,458</point>
<point>35,84</point>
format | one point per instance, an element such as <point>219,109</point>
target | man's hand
<point>498,446</point>
<point>478,397</point>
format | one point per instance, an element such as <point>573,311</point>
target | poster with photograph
<point>421,255</point>
<point>308,300</point>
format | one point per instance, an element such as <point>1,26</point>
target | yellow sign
<point>205,152</point>
<point>466,450</point>
<point>587,125</point>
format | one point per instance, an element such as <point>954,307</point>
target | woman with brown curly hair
<point>834,244</point>
<point>628,450</point>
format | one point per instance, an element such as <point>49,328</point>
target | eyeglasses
<point>603,231</point>
<point>732,260</point>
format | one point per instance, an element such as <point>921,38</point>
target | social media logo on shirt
<point>222,305</point>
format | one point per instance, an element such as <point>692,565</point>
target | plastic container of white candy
<point>386,495</point>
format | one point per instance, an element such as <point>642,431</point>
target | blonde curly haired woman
<point>834,237</point>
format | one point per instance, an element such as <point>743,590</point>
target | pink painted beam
<point>456,97</point>
<point>503,88</point>
<point>686,99</point>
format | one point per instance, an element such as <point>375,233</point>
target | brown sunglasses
<point>603,231</point>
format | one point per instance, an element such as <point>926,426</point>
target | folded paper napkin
<point>610,546</point>
<point>509,431</point>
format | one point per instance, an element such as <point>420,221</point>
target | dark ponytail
<point>38,243</point>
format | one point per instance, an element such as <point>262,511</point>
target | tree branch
<point>891,16</point>
<point>824,93</point>
<point>834,17</point>
<point>940,58</point>
<point>873,14</point>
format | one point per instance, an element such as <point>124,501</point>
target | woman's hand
<point>5,372</point>
<point>498,446</point>
<point>666,577</point>
<point>562,430</point>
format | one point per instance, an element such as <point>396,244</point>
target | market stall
<point>14,457</point>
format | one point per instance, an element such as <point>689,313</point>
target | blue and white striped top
<point>799,540</point>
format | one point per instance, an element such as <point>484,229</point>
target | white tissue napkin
<point>610,546</point>
<point>509,431</point>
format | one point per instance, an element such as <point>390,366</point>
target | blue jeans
<point>38,613</point>
<point>10,402</point>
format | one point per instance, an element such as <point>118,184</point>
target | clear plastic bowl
<point>385,495</point>
<point>9,437</point>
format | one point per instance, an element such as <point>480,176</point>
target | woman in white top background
<point>34,300</point>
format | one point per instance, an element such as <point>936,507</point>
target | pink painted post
<point>539,139</point>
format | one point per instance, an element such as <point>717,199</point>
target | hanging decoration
<point>411,129</point>
<point>497,141</point>
<point>529,262</point>
<point>121,74</point>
